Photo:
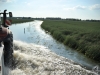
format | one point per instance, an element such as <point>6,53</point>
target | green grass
<point>15,20</point>
<point>80,35</point>
<point>21,20</point>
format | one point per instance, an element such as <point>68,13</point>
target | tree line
<point>56,18</point>
<point>69,19</point>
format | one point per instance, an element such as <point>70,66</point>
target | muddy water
<point>34,52</point>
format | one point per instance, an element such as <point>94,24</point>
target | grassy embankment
<point>20,20</point>
<point>80,35</point>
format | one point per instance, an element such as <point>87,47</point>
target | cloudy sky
<point>82,9</point>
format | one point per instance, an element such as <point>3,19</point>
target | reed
<point>80,35</point>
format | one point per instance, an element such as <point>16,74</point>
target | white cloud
<point>95,7</point>
<point>76,7</point>
<point>28,4</point>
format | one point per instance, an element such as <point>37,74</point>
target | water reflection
<point>24,30</point>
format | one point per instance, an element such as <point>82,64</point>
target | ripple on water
<point>31,59</point>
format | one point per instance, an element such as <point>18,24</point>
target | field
<point>82,36</point>
<point>20,20</point>
<point>15,20</point>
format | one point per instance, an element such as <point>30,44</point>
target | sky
<point>80,9</point>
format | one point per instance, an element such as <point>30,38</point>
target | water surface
<point>31,32</point>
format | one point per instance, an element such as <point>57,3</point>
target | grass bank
<point>15,20</point>
<point>19,20</point>
<point>80,35</point>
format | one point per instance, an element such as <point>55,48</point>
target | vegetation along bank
<point>83,36</point>
<point>20,19</point>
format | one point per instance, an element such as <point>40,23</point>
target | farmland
<point>19,19</point>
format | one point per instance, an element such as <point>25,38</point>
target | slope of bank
<point>80,35</point>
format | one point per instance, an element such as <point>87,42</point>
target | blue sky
<point>82,9</point>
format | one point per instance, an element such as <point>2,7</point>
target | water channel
<point>31,32</point>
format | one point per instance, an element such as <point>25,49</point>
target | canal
<point>31,32</point>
